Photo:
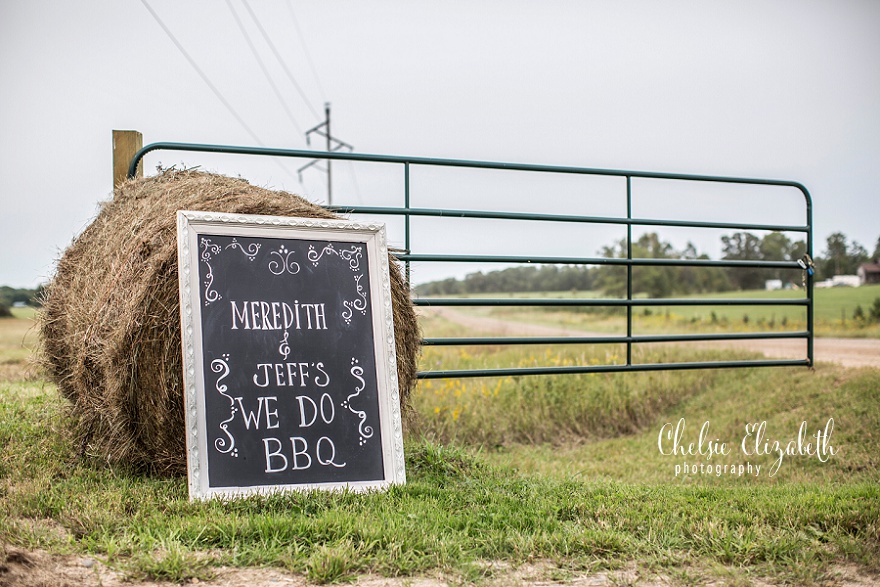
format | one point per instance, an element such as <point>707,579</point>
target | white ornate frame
<point>192,224</point>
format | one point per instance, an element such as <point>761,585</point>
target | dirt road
<point>849,352</point>
<point>39,569</point>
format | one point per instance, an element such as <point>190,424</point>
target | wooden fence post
<point>125,144</point>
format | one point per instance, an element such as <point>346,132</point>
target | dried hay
<point>110,325</point>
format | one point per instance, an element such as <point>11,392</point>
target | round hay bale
<point>110,327</point>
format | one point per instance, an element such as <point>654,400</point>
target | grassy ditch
<point>562,471</point>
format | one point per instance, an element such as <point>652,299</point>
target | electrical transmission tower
<point>333,144</point>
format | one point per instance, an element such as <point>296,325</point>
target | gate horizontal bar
<point>516,372</point>
<point>526,216</point>
<point>536,340</point>
<point>467,302</point>
<point>413,258</point>
<point>372,158</point>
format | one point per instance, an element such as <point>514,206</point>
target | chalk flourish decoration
<point>250,252</point>
<point>223,445</point>
<point>283,263</point>
<point>365,431</point>
<point>352,255</point>
<point>208,250</point>
<point>359,304</point>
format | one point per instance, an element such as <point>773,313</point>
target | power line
<point>263,67</point>
<point>302,41</point>
<point>279,58</point>
<point>202,74</point>
<point>212,86</point>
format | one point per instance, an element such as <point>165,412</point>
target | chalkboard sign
<point>290,373</point>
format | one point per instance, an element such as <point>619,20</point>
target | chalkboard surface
<point>290,373</point>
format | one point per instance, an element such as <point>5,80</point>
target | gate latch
<point>807,265</point>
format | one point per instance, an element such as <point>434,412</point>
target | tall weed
<point>500,411</point>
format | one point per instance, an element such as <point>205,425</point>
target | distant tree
<point>5,312</point>
<point>857,255</point>
<point>775,246</point>
<point>612,279</point>
<point>840,257</point>
<point>514,279</point>
<point>11,295</point>
<point>654,248</point>
<point>439,288</point>
<point>835,254</point>
<point>876,254</point>
<point>659,281</point>
<point>798,248</point>
<point>743,246</point>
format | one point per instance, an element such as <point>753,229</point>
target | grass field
<point>834,309</point>
<point>502,474</point>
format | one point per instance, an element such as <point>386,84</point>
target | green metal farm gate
<point>407,256</point>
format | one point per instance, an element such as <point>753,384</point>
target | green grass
<point>563,471</point>
<point>607,425</point>
<point>833,314</point>
<point>782,398</point>
<point>573,408</point>
<point>18,338</point>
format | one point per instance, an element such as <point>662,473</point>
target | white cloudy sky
<point>767,89</point>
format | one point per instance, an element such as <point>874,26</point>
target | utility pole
<point>329,173</point>
<point>333,144</point>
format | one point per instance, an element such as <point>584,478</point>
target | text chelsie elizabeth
<point>696,455</point>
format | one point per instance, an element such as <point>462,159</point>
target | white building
<point>840,281</point>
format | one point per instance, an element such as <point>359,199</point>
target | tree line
<point>9,296</point>
<point>841,257</point>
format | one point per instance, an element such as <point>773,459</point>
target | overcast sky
<point>766,89</point>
